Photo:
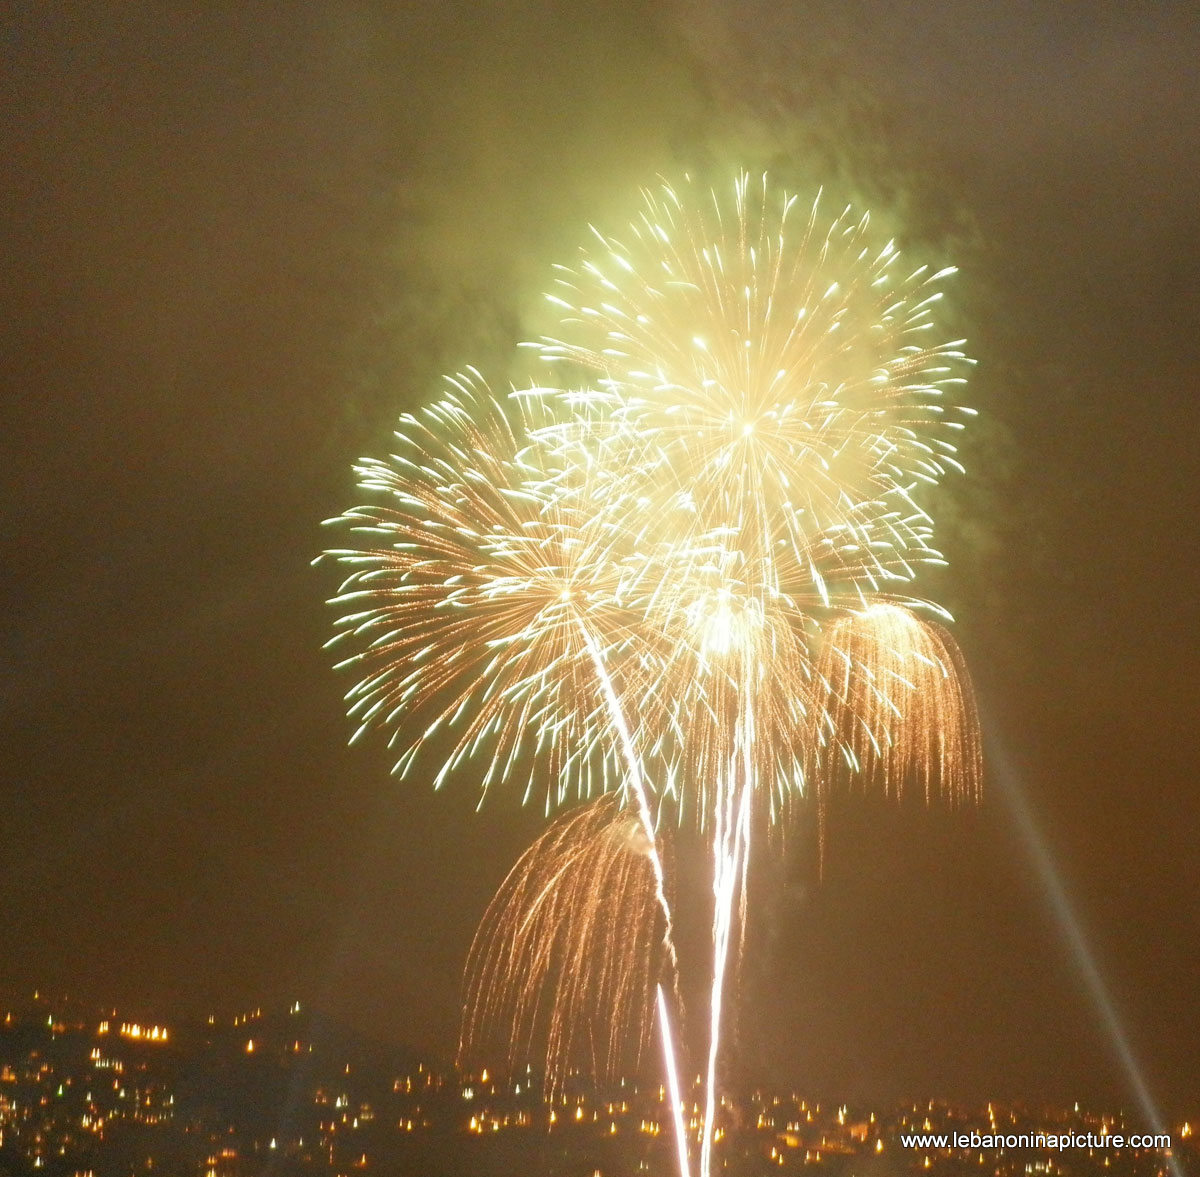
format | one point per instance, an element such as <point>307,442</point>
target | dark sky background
<point>238,240</point>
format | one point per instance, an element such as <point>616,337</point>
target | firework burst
<point>783,365</point>
<point>483,583</point>
<point>682,570</point>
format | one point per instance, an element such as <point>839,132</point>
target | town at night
<point>100,1095</point>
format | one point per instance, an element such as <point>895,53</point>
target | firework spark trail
<point>636,785</point>
<point>731,849</point>
<point>673,1092</point>
<point>566,950</point>
<point>899,696</point>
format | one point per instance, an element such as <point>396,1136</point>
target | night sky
<point>237,241</point>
